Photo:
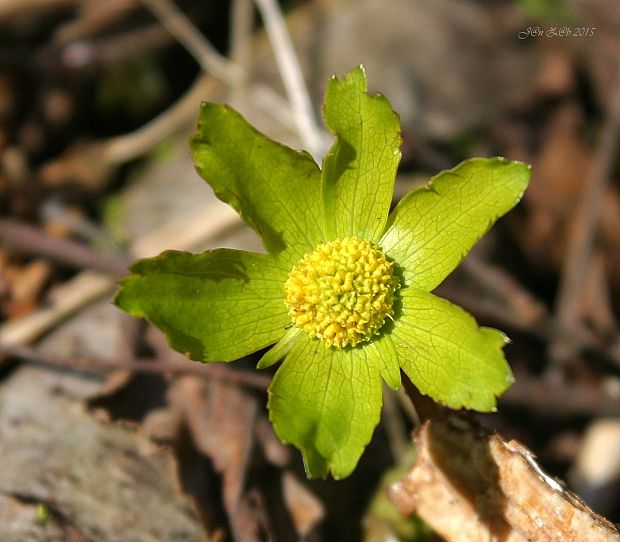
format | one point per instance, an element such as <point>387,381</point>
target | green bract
<point>356,307</point>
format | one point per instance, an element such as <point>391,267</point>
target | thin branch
<point>171,366</point>
<point>86,288</point>
<point>273,103</point>
<point>123,148</point>
<point>33,241</point>
<point>291,76</point>
<point>407,407</point>
<point>93,19</point>
<point>93,163</point>
<point>550,396</point>
<point>525,308</point>
<point>241,26</point>
<point>11,8</point>
<point>113,50</point>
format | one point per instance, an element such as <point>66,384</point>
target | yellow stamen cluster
<point>342,292</point>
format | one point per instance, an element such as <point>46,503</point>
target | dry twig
<point>292,77</point>
<point>113,50</point>
<point>524,307</point>
<point>30,240</point>
<point>550,396</point>
<point>241,26</point>
<point>93,163</point>
<point>173,365</point>
<point>11,8</point>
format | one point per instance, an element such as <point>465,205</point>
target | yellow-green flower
<point>343,291</point>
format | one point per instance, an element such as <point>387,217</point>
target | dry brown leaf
<point>24,286</point>
<point>274,451</point>
<point>163,424</point>
<point>556,186</point>
<point>559,173</point>
<point>221,418</point>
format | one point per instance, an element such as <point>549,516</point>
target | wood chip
<point>470,484</point>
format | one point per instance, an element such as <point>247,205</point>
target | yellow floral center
<point>342,292</point>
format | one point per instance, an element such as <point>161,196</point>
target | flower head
<point>343,293</point>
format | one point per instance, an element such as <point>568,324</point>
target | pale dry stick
<point>273,103</point>
<point>94,162</point>
<point>87,287</point>
<point>580,246</point>
<point>112,50</point>
<point>188,233</point>
<point>114,152</point>
<point>241,26</point>
<point>121,149</point>
<point>288,64</point>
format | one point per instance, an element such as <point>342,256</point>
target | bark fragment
<point>470,484</point>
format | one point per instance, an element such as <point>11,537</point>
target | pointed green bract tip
<point>359,170</point>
